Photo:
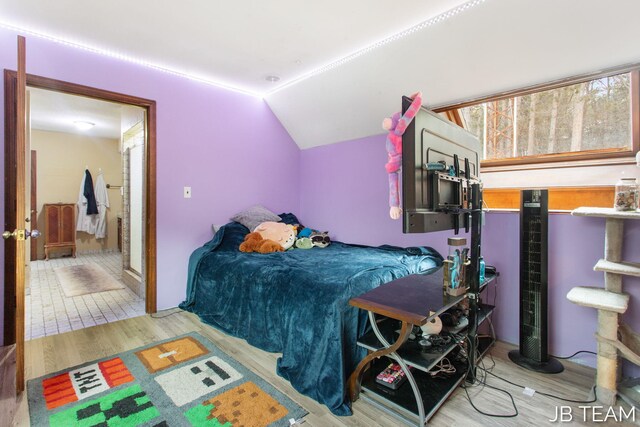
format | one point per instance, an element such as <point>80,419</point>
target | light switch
<point>187,192</point>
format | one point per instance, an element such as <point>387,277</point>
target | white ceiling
<point>237,43</point>
<point>55,111</point>
<point>495,45</point>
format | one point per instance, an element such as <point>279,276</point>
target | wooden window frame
<point>452,111</point>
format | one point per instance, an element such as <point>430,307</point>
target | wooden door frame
<point>11,323</point>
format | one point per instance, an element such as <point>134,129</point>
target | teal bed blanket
<point>297,302</point>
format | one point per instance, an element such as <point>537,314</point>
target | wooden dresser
<point>60,227</point>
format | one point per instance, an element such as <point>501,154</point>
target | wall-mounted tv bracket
<point>460,194</point>
<point>452,192</point>
<point>467,179</point>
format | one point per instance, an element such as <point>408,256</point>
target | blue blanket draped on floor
<point>297,302</point>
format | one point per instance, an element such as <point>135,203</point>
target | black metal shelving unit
<point>411,351</point>
<point>401,402</point>
<point>434,391</point>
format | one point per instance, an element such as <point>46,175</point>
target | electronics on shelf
<point>392,377</point>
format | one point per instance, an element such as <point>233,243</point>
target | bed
<point>297,302</point>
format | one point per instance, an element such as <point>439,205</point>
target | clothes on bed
<point>297,303</point>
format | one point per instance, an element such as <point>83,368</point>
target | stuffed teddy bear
<point>253,242</point>
<point>269,237</point>
<point>396,125</point>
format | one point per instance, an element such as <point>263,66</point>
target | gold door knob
<point>21,234</point>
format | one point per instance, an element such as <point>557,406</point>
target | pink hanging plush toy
<point>396,125</point>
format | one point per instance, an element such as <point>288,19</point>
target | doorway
<point>81,152</point>
<point>14,321</point>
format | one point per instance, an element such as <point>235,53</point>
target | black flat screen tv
<point>429,197</point>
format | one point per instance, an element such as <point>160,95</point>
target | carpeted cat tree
<point>610,302</point>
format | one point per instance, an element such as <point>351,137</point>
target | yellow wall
<point>61,161</point>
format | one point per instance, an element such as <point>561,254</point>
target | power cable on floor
<point>165,315</point>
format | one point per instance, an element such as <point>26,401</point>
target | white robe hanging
<point>86,223</point>
<point>102,200</point>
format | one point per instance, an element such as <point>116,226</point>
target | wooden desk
<point>410,299</point>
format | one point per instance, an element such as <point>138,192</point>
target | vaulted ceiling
<point>341,65</point>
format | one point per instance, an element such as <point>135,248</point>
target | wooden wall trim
<point>560,198</point>
<point>455,117</point>
<point>10,77</point>
<point>150,226</point>
<point>612,153</point>
<point>88,91</point>
<point>150,167</point>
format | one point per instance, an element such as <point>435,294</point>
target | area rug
<point>182,381</point>
<point>85,279</point>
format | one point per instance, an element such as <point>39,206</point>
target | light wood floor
<point>50,354</point>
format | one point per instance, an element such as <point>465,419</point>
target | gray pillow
<point>253,216</point>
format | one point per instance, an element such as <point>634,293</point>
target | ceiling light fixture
<point>82,125</point>
<point>272,79</point>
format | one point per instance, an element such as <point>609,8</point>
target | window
<point>584,120</point>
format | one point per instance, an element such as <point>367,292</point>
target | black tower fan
<point>534,220</point>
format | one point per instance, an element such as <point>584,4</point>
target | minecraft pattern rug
<point>182,381</point>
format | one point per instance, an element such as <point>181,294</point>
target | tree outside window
<point>585,118</point>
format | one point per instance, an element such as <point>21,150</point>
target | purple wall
<point>344,190</point>
<point>228,147</point>
<point>233,152</point>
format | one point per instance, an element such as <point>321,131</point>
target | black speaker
<point>534,224</point>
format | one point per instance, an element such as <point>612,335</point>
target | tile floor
<point>50,312</point>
